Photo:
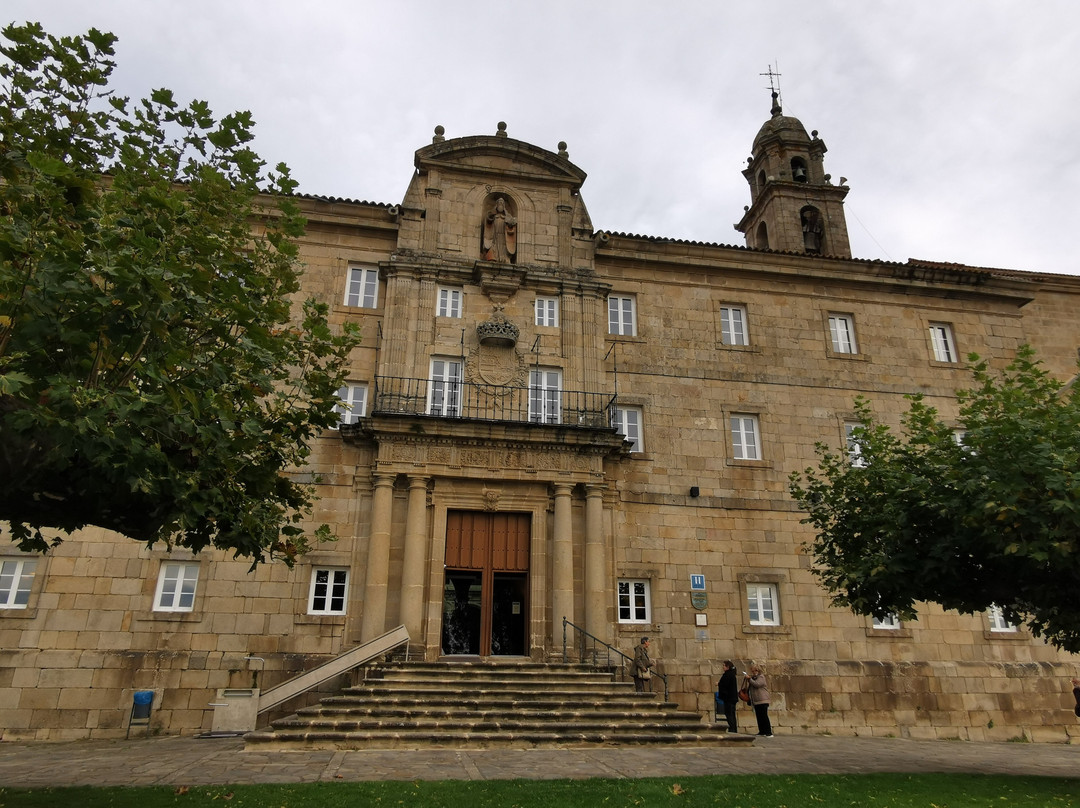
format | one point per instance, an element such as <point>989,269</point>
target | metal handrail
<point>583,653</point>
<point>452,398</point>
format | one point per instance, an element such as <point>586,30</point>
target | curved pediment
<point>501,156</point>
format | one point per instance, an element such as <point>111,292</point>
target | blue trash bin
<point>144,700</point>
<point>141,706</point>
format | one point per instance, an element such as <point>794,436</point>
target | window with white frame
<point>744,437</point>
<point>353,406</point>
<point>362,287</point>
<point>889,622</point>
<point>761,600</point>
<point>545,395</point>
<point>842,333</point>
<point>176,585</point>
<point>998,621</point>
<point>634,601</point>
<point>733,325</point>
<point>449,302</point>
<point>547,311</point>
<point>854,450</point>
<point>628,424</point>
<point>444,390</point>
<point>941,338</point>
<point>16,579</point>
<point>329,590</point>
<point>622,316</point>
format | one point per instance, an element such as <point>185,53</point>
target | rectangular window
<point>889,622</point>
<point>547,311</point>
<point>998,621</point>
<point>733,325</point>
<point>628,424</point>
<point>16,578</point>
<point>353,404</point>
<point>444,393</point>
<point>854,450</point>
<point>329,590</point>
<point>449,302</point>
<point>545,395</point>
<point>761,599</point>
<point>621,316</point>
<point>941,338</point>
<point>842,333</point>
<point>634,602</point>
<point>176,586</point>
<point>744,437</point>
<point>362,287</point>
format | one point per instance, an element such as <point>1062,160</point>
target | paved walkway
<point>210,761</point>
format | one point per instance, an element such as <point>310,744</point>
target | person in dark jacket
<point>1076,695</point>
<point>728,688</point>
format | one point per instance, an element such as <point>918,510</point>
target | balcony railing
<point>484,402</point>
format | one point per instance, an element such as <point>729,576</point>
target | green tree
<point>987,516</point>
<point>157,376</point>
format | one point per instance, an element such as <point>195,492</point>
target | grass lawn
<point>738,791</point>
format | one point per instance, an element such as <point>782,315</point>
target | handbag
<point>645,674</point>
<point>744,695</point>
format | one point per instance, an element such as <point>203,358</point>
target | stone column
<point>562,564</point>
<point>378,561</point>
<point>414,563</point>
<point>596,585</point>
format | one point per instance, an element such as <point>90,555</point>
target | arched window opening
<point>798,170</point>
<point>762,239</point>
<point>761,180</point>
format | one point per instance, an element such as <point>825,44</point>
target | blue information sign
<point>697,582</point>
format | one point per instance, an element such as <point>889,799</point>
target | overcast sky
<point>956,122</point>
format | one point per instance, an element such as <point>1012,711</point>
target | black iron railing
<point>449,398</point>
<point>587,648</point>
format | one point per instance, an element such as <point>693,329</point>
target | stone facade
<point>502,334</point>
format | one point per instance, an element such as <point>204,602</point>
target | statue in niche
<point>499,242</point>
<point>813,230</point>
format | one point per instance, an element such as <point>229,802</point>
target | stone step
<point>457,738</point>
<point>435,679</point>
<point>560,714</point>
<point>483,691</point>
<point>498,723</point>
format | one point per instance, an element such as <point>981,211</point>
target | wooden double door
<point>485,591</point>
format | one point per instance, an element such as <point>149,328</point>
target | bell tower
<point>794,207</point>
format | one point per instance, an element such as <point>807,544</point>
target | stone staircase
<point>485,704</point>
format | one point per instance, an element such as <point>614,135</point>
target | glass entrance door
<point>462,604</point>
<point>508,613</point>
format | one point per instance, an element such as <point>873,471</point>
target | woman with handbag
<point>642,663</point>
<point>758,688</point>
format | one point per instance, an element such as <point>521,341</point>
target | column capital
<point>383,479</point>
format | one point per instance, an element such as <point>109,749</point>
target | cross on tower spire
<point>774,87</point>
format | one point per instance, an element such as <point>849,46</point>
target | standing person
<point>642,663</point>
<point>758,686</point>
<point>728,689</point>
<point>1076,695</point>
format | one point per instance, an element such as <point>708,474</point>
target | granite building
<point>550,421</point>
